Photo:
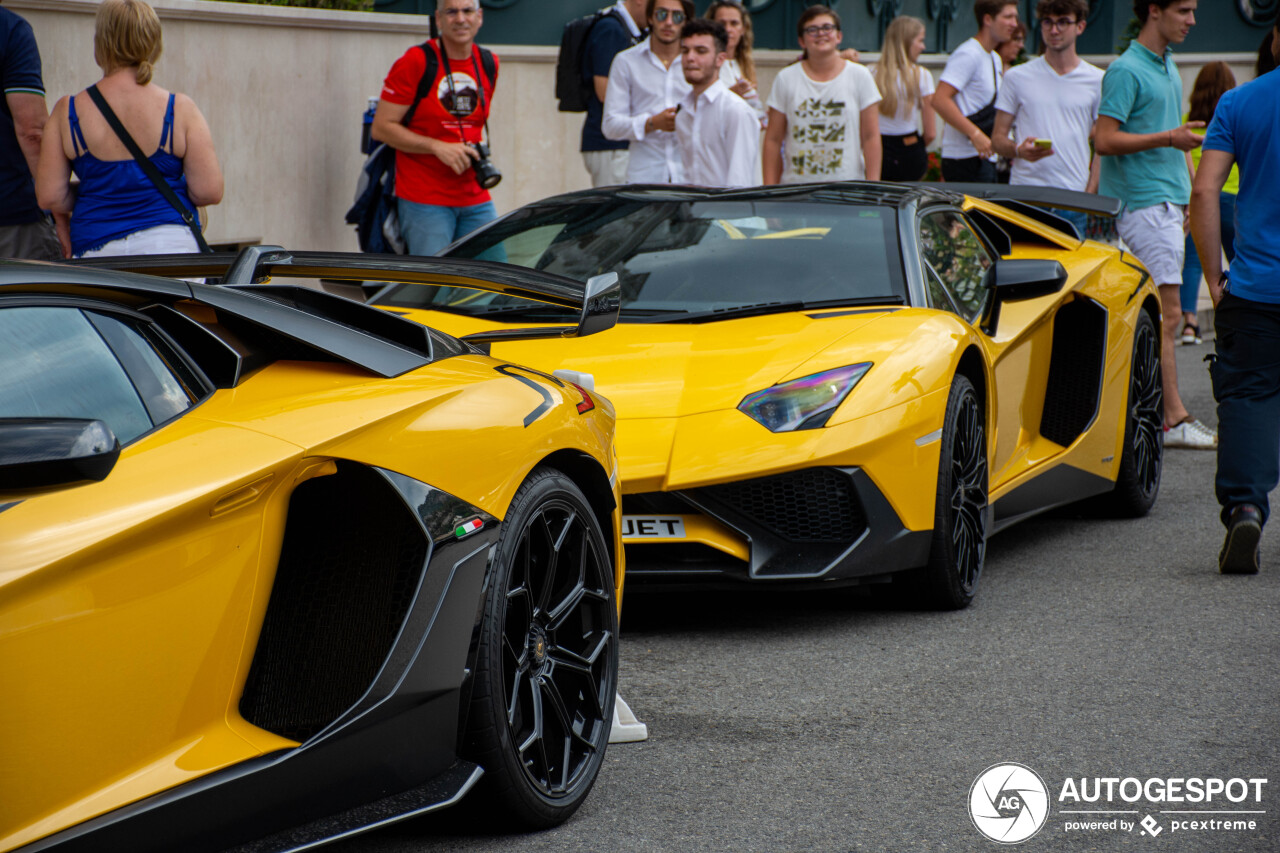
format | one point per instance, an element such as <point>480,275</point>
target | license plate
<point>652,527</point>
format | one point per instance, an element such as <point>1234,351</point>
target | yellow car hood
<point>669,370</point>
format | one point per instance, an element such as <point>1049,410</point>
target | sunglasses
<point>821,29</point>
<point>661,15</point>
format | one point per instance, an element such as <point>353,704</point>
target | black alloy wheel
<point>547,667</point>
<point>1138,481</point>
<point>959,546</point>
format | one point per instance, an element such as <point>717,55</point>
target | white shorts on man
<point>1059,107</point>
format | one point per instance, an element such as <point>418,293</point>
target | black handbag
<point>985,118</point>
<point>149,169</point>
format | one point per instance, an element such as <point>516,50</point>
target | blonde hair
<point>895,72</point>
<point>127,33</point>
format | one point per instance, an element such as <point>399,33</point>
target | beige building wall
<point>283,89</point>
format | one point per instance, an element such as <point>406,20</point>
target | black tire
<point>547,661</point>
<point>959,546</point>
<point>1138,481</point>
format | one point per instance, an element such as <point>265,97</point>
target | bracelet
<point>1171,139</point>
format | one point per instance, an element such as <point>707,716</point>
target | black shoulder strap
<point>489,65</point>
<point>428,79</point>
<point>149,168</point>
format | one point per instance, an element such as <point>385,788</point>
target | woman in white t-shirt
<point>739,72</point>
<point>906,113</point>
<point>823,109</point>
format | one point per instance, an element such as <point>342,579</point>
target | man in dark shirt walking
<point>25,231</point>
<point>606,159</point>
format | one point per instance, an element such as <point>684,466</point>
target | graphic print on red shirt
<point>424,178</point>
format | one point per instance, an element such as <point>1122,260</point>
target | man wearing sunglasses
<point>646,83</point>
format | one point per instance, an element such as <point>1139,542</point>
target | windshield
<point>687,260</point>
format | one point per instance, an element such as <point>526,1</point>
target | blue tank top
<point>116,197</point>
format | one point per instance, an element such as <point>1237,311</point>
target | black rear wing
<point>597,300</point>
<point>1037,202</point>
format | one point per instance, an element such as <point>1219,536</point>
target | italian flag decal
<point>467,528</point>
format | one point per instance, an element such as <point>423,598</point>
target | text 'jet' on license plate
<point>652,527</point>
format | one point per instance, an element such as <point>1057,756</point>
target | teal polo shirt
<point>1143,92</point>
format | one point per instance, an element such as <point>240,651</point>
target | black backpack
<point>374,210</point>
<point>573,89</point>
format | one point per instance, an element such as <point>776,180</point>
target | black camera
<point>487,174</point>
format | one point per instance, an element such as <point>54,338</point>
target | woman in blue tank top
<point>117,210</point>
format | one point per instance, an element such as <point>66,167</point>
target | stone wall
<point>284,88</point>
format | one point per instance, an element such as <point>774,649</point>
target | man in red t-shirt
<point>438,198</point>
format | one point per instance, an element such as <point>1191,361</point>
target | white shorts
<point>159,240</point>
<point>1154,235</point>
<point>607,168</point>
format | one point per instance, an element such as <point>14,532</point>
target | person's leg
<point>1246,384</point>
<point>607,168</point>
<point>1154,235</point>
<point>963,171</point>
<point>426,228</point>
<point>471,218</point>
<point>35,241</point>
<point>1189,295</point>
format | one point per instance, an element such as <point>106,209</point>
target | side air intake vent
<point>352,558</point>
<point>1075,371</point>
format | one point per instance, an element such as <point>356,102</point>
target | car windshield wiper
<point>778,307</point>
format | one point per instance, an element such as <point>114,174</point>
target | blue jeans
<point>428,228</point>
<point>1246,384</point>
<point>1191,267</point>
<point>1077,218</point>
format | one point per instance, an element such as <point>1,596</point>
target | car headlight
<point>803,403</point>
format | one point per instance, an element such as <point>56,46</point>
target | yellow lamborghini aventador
<point>276,566</point>
<point>840,383</point>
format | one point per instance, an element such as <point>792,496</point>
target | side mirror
<point>41,452</point>
<point>600,305</point>
<point>1017,279</point>
<point>601,301</point>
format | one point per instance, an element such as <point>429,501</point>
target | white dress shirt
<point>719,138</point>
<point>640,86</point>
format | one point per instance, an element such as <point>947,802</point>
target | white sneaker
<point>1191,434</point>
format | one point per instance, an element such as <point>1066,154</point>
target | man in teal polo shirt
<point>1144,164</point>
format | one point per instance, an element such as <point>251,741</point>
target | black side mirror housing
<point>40,453</point>
<point>1017,279</point>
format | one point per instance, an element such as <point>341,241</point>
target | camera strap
<point>448,75</point>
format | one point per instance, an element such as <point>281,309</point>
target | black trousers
<point>905,158</point>
<point>970,170</point>
<point>1246,384</point>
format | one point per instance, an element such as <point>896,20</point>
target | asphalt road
<point>836,722</point>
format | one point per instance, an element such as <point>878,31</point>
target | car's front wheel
<point>959,545</point>
<point>547,661</point>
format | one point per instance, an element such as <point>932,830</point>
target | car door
<point>957,263</point>
<point>124,604</point>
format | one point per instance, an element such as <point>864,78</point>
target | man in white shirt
<point>823,109</point>
<point>1053,100</point>
<point>646,83</point>
<point>614,32</point>
<point>966,95</point>
<point>718,132</point>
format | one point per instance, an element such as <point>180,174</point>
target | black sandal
<point>1191,334</point>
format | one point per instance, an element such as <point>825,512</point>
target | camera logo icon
<point>1008,803</point>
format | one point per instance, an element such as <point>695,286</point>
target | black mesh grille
<point>351,561</point>
<point>1075,371</point>
<point>814,505</point>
